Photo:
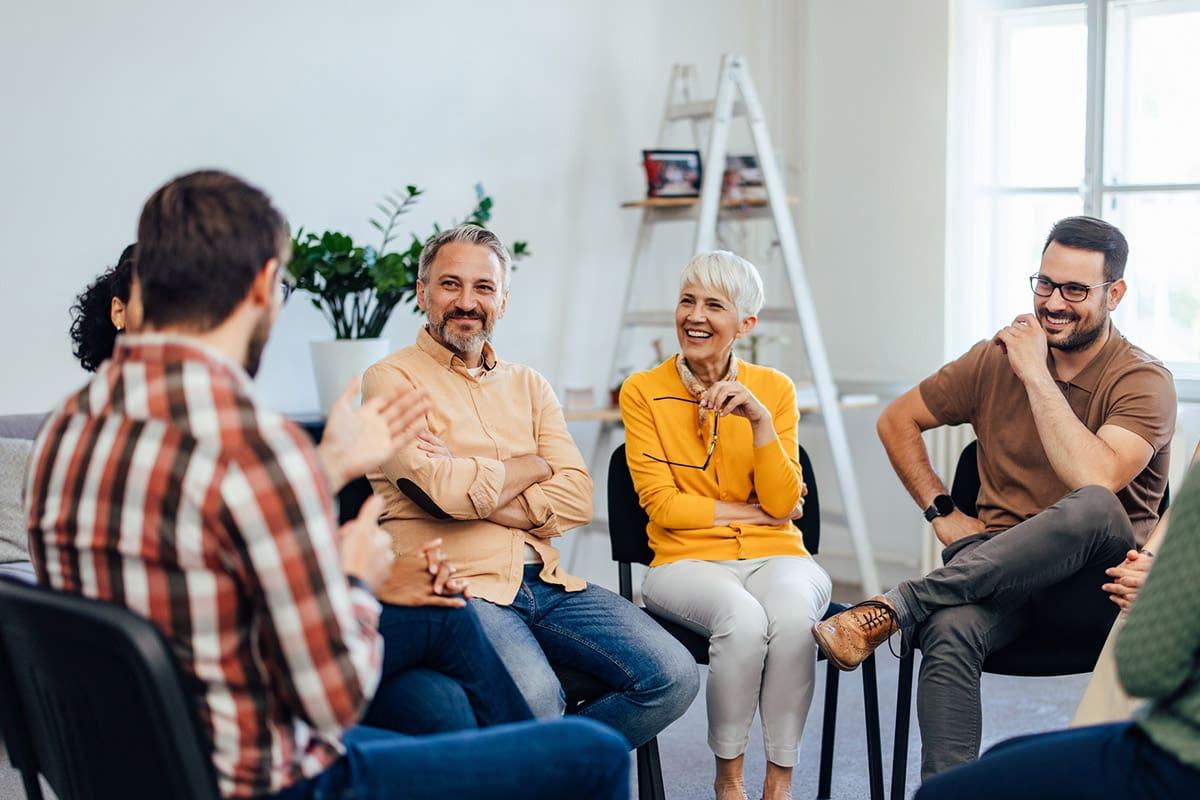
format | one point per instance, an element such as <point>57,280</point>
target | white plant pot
<point>336,362</point>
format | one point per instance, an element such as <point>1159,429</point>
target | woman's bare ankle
<point>730,783</point>
<point>777,785</point>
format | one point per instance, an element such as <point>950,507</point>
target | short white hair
<point>729,274</point>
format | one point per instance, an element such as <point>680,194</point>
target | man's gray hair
<point>467,234</point>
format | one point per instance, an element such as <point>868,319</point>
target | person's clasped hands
<point>1128,577</point>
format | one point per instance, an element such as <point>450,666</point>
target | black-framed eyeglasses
<point>712,442</point>
<point>1071,292</point>
<point>287,284</point>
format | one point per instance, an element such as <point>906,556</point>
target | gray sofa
<point>18,426</point>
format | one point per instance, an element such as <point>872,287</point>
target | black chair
<point>94,702</point>
<point>1045,650</point>
<point>627,531</point>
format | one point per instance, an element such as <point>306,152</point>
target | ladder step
<point>703,110</point>
<point>666,319</point>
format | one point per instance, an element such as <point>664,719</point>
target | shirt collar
<point>447,357</point>
<point>1089,376</point>
<point>178,347</point>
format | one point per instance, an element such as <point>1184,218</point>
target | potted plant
<point>357,287</point>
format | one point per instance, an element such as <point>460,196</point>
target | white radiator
<point>945,444</point>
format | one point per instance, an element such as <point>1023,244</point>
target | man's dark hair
<point>1089,233</point>
<point>202,240</point>
<point>92,333</point>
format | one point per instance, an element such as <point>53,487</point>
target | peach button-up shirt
<point>509,410</point>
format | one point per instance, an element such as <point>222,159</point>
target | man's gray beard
<point>462,344</point>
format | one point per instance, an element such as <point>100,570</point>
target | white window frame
<point>964,193</point>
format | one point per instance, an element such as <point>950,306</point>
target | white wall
<point>327,106</point>
<point>873,169</point>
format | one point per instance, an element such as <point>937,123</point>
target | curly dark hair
<point>92,331</point>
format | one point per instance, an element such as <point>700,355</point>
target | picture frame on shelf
<point>743,179</point>
<point>672,173</point>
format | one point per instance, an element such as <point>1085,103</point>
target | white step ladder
<point>680,107</point>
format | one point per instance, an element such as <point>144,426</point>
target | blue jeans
<point>1115,760</point>
<point>440,674</point>
<point>573,758</point>
<point>652,677</point>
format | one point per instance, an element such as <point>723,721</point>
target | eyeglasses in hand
<point>712,442</point>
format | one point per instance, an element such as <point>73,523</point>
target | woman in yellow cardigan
<point>711,444</point>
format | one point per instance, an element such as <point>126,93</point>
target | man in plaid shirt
<point>162,486</point>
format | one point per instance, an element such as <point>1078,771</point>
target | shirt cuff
<point>541,513</point>
<point>485,488</point>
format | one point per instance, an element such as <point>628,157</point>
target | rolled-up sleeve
<point>665,503</point>
<point>565,500</point>
<point>463,488</point>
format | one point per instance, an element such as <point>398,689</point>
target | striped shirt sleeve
<point>323,632</point>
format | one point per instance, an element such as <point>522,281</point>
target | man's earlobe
<point>1116,293</point>
<point>263,289</point>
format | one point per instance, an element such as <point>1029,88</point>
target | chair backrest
<point>965,487</point>
<point>627,519</point>
<point>101,699</point>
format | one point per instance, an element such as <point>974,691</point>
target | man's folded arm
<point>563,500</point>
<point>462,488</point>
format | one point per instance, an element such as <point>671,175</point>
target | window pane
<point>1153,92</point>
<point>1161,311</point>
<point>1040,97</point>
<point>1014,250</point>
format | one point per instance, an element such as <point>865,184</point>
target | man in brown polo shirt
<point>497,477</point>
<point>1074,426</point>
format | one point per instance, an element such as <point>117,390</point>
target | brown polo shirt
<point>508,410</point>
<point>1122,386</point>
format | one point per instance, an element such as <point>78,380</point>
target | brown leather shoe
<point>849,637</point>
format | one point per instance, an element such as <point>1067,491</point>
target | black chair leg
<point>33,787</point>
<point>903,721</point>
<point>649,772</point>
<point>874,747</point>
<point>828,731</point>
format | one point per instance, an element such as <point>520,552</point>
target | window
<point>1062,108</point>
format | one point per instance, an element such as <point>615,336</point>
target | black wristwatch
<point>941,506</point>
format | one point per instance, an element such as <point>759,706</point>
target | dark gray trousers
<point>1045,571</point>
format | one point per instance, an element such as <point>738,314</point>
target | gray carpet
<point>1011,706</point>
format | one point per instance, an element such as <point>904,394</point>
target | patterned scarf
<point>695,388</point>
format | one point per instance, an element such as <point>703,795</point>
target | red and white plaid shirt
<point>161,486</point>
